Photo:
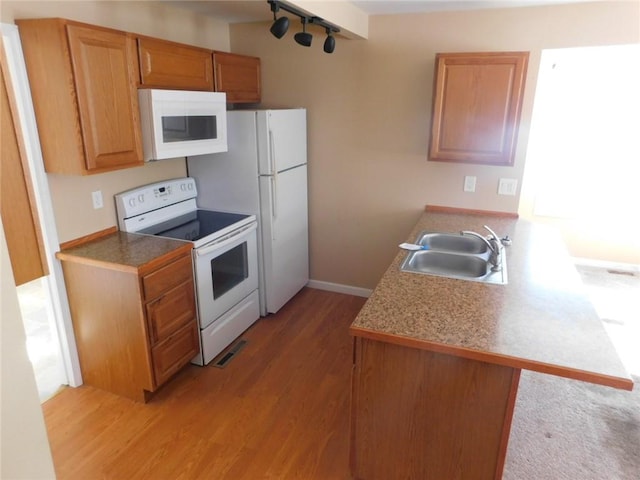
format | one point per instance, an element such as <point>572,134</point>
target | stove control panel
<point>147,198</point>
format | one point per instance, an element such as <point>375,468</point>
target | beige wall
<point>369,117</point>
<point>71,195</point>
<point>24,447</point>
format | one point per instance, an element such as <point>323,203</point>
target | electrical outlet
<point>507,186</point>
<point>469,184</point>
<point>97,199</point>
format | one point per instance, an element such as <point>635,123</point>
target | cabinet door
<point>19,215</point>
<point>104,74</point>
<point>171,311</point>
<point>476,107</point>
<point>167,277</point>
<point>175,352</point>
<point>171,65</point>
<point>238,76</point>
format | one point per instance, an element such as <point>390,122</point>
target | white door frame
<point>55,283</point>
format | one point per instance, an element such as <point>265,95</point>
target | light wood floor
<point>279,410</point>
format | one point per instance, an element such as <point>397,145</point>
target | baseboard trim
<point>339,288</point>
<point>588,262</point>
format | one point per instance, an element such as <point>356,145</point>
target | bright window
<point>585,135</point>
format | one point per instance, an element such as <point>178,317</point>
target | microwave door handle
<point>224,241</point>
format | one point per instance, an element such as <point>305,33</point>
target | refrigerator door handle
<point>272,154</point>
<point>274,204</point>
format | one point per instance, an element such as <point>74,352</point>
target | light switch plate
<point>507,186</point>
<point>469,183</point>
<point>97,199</point>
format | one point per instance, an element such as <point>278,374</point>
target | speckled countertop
<point>126,251</point>
<point>541,320</point>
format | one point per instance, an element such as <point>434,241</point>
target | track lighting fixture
<point>329,43</point>
<point>304,38</point>
<point>280,25</point>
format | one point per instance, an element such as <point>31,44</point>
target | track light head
<point>280,26</point>
<point>303,38</point>
<point>329,43</point>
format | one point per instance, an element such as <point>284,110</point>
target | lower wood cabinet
<point>420,414</point>
<point>134,328</point>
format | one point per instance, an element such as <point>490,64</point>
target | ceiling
<point>240,11</point>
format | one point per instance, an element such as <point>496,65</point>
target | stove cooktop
<point>197,225</point>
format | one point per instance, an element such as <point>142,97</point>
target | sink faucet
<point>493,243</point>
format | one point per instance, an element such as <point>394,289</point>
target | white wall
<point>24,447</point>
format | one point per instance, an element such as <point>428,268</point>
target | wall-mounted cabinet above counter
<point>477,99</point>
<point>238,76</point>
<point>83,85</point>
<point>84,82</point>
<point>165,64</point>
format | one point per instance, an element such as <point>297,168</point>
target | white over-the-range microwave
<point>180,123</point>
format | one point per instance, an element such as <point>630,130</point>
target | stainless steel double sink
<point>454,256</point>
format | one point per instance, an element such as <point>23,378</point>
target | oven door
<point>226,272</point>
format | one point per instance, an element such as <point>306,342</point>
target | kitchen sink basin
<point>454,256</point>
<point>441,263</point>
<point>452,243</point>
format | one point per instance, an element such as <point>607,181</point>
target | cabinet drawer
<point>167,277</point>
<point>170,312</point>
<point>175,352</point>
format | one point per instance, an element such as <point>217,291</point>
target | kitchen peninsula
<point>437,360</point>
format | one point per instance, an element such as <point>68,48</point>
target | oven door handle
<point>224,241</point>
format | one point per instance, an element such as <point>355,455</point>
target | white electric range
<point>225,256</point>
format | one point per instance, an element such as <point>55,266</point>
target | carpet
<point>569,430</point>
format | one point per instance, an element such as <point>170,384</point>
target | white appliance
<point>264,172</point>
<point>225,255</point>
<point>177,123</point>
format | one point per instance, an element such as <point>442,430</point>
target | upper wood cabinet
<point>238,76</point>
<point>476,107</point>
<point>83,83</point>
<point>17,203</point>
<point>166,64</point>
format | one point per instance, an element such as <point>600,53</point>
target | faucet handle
<point>492,233</point>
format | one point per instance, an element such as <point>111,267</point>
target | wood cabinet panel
<point>167,277</point>
<point>17,201</point>
<point>238,76</point>
<point>110,330</point>
<point>175,352</point>
<point>107,97</point>
<point>83,83</point>
<point>127,346</point>
<point>476,107</point>
<point>420,414</point>
<point>170,312</point>
<point>172,65</point>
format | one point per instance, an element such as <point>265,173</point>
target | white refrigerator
<point>264,173</point>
